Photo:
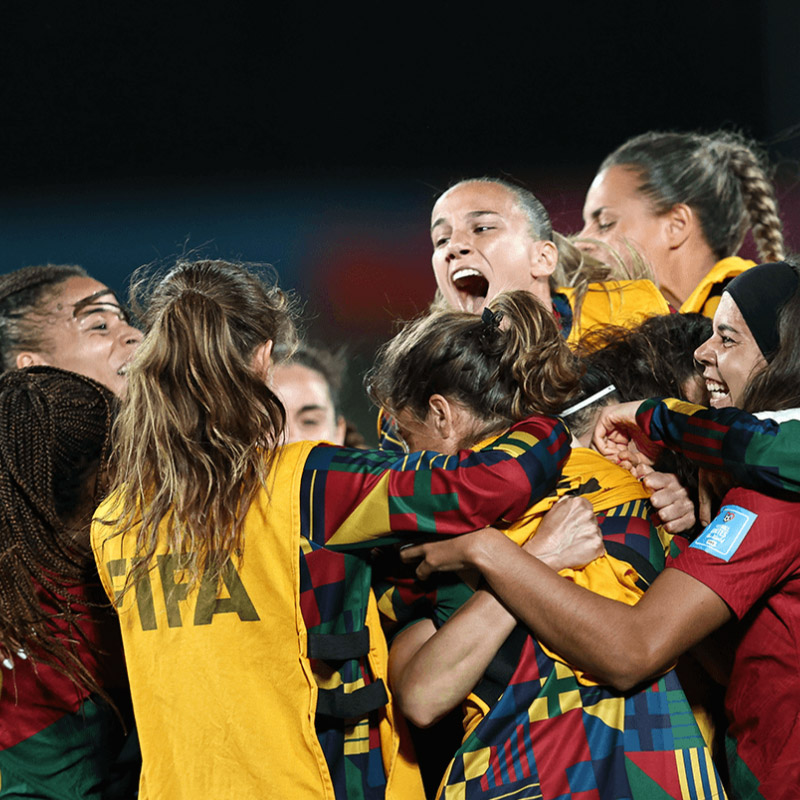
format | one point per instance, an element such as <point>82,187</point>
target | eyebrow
<point>470,215</point>
<point>92,299</point>
<point>303,409</point>
<point>729,328</point>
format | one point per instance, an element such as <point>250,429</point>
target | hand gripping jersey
<point>269,682</point>
<point>536,728</point>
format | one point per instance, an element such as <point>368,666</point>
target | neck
<point>685,273</point>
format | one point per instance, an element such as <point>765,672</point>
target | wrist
<point>485,550</point>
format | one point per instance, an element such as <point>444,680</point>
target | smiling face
<point>86,331</point>
<point>617,214</point>
<point>482,245</point>
<point>730,357</point>
<point>310,415</point>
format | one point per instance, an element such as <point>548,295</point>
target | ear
<point>28,359</point>
<point>262,360</point>
<point>679,224</point>
<point>543,259</point>
<point>441,415</point>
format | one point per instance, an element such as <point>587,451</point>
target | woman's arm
<point>618,644</point>
<point>356,498</point>
<point>432,671</point>
<point>758,453</point>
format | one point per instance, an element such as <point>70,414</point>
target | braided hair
<point>24,294</point>
<point>54,442</point>
<point>721,176</point>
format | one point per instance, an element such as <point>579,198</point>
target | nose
<point>457,247</point>
<point>704,355</point>
<point>130,336</point>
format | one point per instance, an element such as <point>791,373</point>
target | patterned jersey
<point>758,451</point>
<point>535,727</point>
<point>421,492</point>
<point>279,673</point>
<point>56,739</point>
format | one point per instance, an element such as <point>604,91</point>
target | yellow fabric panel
<point>457,791</point>
<point>369,520</point>
<point>223,692</point>
<point>699,301</point>
<point>611,710</point>
<point>474,711</point>
<point>682,406</point>
<point>625,303</point>
<point>476,763</point>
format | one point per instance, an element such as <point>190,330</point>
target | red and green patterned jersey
<point>352,500</point>
<point>758,451</point>
<point>55,739</point>
<point>544,732</point>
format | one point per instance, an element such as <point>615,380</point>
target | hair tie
<point>490,320</point>
<point>587,401</point>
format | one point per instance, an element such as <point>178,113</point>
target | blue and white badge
<point>726,532</point>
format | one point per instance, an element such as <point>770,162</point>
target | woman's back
<point>223,691</point>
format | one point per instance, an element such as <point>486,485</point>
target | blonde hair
<point>504,366</point>
<point>196,434</point>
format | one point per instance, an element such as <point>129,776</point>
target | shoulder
<point>705,296</point>
<point>625,303</point>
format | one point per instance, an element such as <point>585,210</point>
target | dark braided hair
<point>55,439</point>
<point>23,294</point>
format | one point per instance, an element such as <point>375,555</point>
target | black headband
<point>760,293</point>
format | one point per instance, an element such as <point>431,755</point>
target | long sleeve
<point>760,453</point>
<point>352,498</point>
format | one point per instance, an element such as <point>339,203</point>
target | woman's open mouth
<point>718,393</point>
<point>472,288</point>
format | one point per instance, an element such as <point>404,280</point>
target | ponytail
<point>760,203</point>
<point>196,435</point>
<point>721,176</point>
<point>508,364</point>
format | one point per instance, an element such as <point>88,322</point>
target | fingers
<point>612,431</point>
<point>411,552</point>
<point>671,501</point>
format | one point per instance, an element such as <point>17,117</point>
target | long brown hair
<point>196,435</point>
<point>503,367</point>
<point>55,440</point>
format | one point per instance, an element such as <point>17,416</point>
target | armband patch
<point>726,532</point>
